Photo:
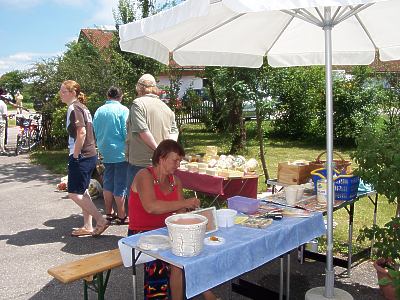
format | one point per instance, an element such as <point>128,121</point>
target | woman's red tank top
<point>139,219</point>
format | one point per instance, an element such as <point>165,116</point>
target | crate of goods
<point>345,186</point>
<point>297,172</point>
<point>243,204</point>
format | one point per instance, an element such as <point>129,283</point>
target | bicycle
<point>30,133</point>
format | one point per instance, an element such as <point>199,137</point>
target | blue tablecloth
<point>244,249</point>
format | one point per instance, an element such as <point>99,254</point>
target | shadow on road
<point>311,274</point>
<point>59,231</point>
<point>23,172</point>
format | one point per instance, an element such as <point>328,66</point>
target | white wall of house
<point>186,83</point>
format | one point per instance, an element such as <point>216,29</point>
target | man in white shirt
<point>3,119</point>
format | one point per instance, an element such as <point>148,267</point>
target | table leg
<point>288,276</point>
<point>134,260</point>
<point>224,187</point>
<point>350,240</point>
<point>100,286</point>
<point>300,254</point>
<point>215,200</point>
<point>85,290</point>
<point>375,203</point>
<point>281,279</point>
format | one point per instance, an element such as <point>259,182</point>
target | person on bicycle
<point>82,158</point>
<point>110,130</point>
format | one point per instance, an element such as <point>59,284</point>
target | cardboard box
<point>294,174</point>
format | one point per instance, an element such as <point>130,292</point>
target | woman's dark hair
<point>114,93</point>
<point>164,148</point>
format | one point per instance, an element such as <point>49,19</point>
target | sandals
<point>81,232</point>
<point>111,217</point>
<point>99,229</point>
<point>122,221</point>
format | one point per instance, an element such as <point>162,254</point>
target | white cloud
<point>22,61</point>
<point>99,14</point>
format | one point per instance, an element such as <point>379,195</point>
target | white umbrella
<point>288,32</point>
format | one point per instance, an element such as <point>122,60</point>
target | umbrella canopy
<point>241,33</point>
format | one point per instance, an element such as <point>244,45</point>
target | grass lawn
<point>12,110</point>
<point>195,138</point>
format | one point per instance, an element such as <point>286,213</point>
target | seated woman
<point>155,194</point>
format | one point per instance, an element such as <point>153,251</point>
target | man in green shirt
<point>150,122</point>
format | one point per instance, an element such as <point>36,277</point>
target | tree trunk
<point>238,129</point>
<point>260,136</point>
<point>216,110</point>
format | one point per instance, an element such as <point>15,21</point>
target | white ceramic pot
<point>186,232</point>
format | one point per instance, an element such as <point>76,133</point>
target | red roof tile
<point>97,37</point>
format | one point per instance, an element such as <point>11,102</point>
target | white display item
<point>226,217</point>
<point>291,194</point>
<point>186,239</point>
<point>154,242</point>
<point>322,191</point>
<point>212,171</point>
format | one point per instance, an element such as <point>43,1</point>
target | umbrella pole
<point>328,292</point>
<point>329,277</point>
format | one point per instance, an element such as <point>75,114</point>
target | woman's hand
<point>192,203</point>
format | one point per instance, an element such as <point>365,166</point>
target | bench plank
<point>86,267</point>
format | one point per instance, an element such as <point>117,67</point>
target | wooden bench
<point>90,269</point>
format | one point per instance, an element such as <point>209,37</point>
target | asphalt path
<point>35,236</point>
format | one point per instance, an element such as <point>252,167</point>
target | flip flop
<point>81,232</point>
<point>111,217</point>
<point>122,221</point>
<point>100,229</point>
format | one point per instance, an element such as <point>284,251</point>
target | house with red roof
<point>101,39</point>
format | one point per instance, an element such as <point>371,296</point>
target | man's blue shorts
<point>114,178</point>
<point>79,173</point>
<point>131,173</point>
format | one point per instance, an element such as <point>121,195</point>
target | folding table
<point>244,250</point>
<point>349,206</point>
<point>221,187</point>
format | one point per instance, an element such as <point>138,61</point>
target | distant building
<point>387,66</point>
<point>101,38</point>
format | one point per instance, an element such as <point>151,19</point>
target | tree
<point>12,81</point>
<point>125,12</point>
<point>300,99</point>
<point>377,153</point>
<point>228,87</point>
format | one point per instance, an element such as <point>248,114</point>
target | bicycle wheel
<point>25,142</point>
<point>33,139</point>
<point>18,146</point>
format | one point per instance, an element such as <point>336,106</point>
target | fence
<point>194,114</point>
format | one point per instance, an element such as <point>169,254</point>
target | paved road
<point>35,235</point>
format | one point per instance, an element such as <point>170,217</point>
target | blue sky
<point>35,29</point>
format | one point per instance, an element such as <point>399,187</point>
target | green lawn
<point>195,138</point>
<point>12,110</point>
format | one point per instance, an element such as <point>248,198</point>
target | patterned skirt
<point>156,278</point>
